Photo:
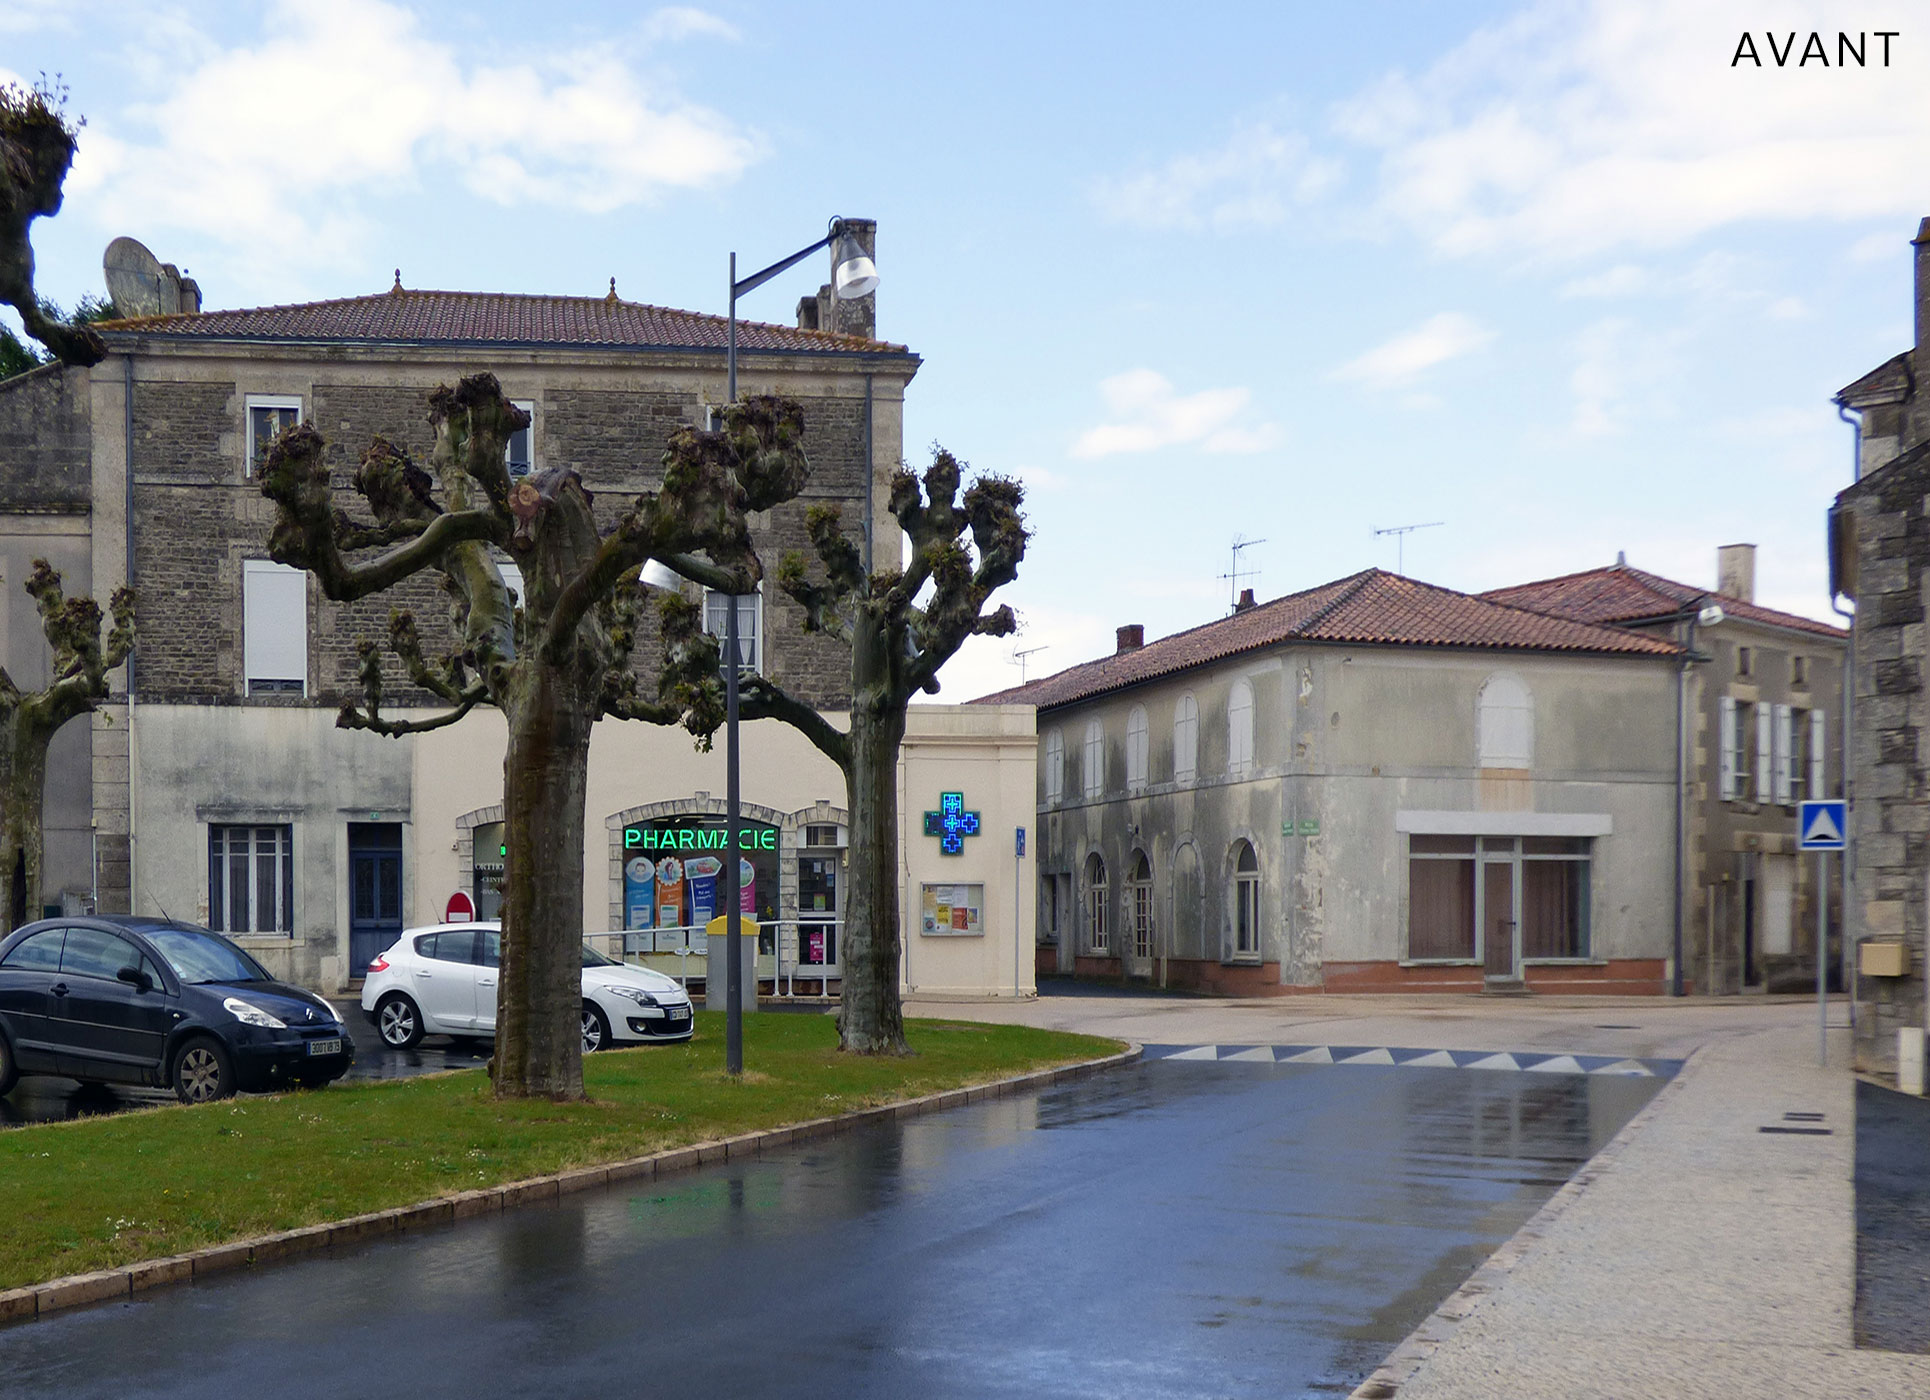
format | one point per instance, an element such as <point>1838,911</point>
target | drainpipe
<point>1852,975</point>
<point>1681,794</point>
<point>870,477</point>
<point>127,531</point>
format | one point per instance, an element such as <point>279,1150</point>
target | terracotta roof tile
<point>481,318</point>
<point>1624,594</point>
<point>1373,608</point>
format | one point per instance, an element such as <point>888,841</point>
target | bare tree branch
<point>36,150</point>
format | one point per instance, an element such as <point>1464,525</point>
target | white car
<point>441,980</point>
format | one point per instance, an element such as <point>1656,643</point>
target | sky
<point>1566,278</point>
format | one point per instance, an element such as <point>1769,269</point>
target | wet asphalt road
<point>1892,1219</point>
<point>1166,1230</point>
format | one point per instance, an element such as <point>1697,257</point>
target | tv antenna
<point>1240,542</point>
<point>1400,534</point>
<point>1018,659</point>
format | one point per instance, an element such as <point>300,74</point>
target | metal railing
<point>670,950</point>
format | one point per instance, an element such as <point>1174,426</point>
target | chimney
<point>825,312</point>
<point>1131,637</point>
<point>1736,572</point>
<point>1246,601</point>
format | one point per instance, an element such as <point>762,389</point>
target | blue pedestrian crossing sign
<point>1821,826</point>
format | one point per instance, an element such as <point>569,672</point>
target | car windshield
<point>199,956</point>
<point>592,958</point>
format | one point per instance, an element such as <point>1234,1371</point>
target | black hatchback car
<point>151,1001</point>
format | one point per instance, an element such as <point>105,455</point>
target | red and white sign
<point>461,909</point>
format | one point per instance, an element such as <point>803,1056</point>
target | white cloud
<point>675,22</point>
<point>1875,247</point>
<point>1401,359</point>
<point>1622,280</point>
<point>282,149</point>
<point>1255,180</point>
<point>1147,414</point>
<point>1573,128</point>
<point>1623,368</point>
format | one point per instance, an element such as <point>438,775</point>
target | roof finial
<point>396,290</point>
<point>612,298</point>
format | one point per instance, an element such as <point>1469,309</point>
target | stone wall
<point>1890,814</point>
<point>44,463</point>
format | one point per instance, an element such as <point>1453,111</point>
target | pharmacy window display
<point>674,876</point>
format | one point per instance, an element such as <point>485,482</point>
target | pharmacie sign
<point>676,837</point>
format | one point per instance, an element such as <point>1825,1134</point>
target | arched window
<point>1097,941</point>
<point>1184,938</point>
<point>1246,901</point>
<point>1186,738</point>
<point>1055,767</point>
<point>1139,904</point>
<point>1505,725</point>
<point>1239,729</point>
<point>1095,765</point>
<point>1136,747</point>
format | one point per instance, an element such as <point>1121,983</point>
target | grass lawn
<point>103,1192</point>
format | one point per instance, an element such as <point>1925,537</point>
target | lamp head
<point>856,274</point>
<point>657,574</point>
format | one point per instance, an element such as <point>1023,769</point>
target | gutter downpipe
<point>870,477</point>
<point>127,532</point>
<point>1852,976</point>
<point>1681,791</point>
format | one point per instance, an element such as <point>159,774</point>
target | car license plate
<point>325,1047</point>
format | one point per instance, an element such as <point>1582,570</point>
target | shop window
<point>1098,942</point>
<point>251,879</point>
<point>1186,739</point>
<point>674,875</point>
<point>488,857</point>
<point>1055,767</point>
<point>1246,901</point>
<point>1440,898</point>
<point>1136,748</point>
<point>1139,904</point>
<point>1554,897</point>
<point>1547,878</point>
<point>269,416</point>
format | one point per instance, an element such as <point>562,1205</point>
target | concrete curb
<point>1421,1344</point>
<point>108,1285</point>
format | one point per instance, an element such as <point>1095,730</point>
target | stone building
<point>1763,712</point>
<point>1374,785</point>
<point>1880,557</point>
<point>216,786</point>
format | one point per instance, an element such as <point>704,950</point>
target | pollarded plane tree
<point>901,626</point>
<point>36,150</point>
<point>555,661</point>
<point>76,685</point>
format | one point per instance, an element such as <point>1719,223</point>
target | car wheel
<point>596,1028</point>
<point>203,1072</point>
<point>9,1071</point>
<point>398,1022</point>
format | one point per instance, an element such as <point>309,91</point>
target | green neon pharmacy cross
<point>951,823</point>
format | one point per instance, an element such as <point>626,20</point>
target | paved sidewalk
<point>1706,1258</point>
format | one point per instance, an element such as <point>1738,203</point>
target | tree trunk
<point>870,1019</point>
<point>23,779</point>
<point>539,994</point>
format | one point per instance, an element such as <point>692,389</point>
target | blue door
<point>374,891</point>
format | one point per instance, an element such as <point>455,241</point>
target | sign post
<point>1018,913</point>
<point>1821,827</point>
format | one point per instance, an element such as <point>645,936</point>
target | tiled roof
<point>1372,608</point>
<point>1624,594</point>
<point>483,318</point>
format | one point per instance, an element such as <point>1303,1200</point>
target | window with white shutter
<point>1136,747</point>
<point>1726,751</point>
<point>1239,729</point>
<point>1817,755</point>
<point>1186,738</point>
<point>274,628</point>
<point>1055,766</point>
<point>1783,754</point>
<point>1094,768</point>
<point>1765,748</point>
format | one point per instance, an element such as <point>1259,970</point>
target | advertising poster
<point>700,873</point>
<point>952,911</point>
<point>746,886</point>
<point>670,892</point>
<point>639,892</point>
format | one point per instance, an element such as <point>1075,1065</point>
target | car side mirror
<point>136,978</point>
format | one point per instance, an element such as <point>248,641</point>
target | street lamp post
<point>855,276</point>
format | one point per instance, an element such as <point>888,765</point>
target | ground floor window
<point>1139,896</point>
<point>1098,940</point>
<point>1531,900</point>
<point>1246,901</point>
<point>251,879</point>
